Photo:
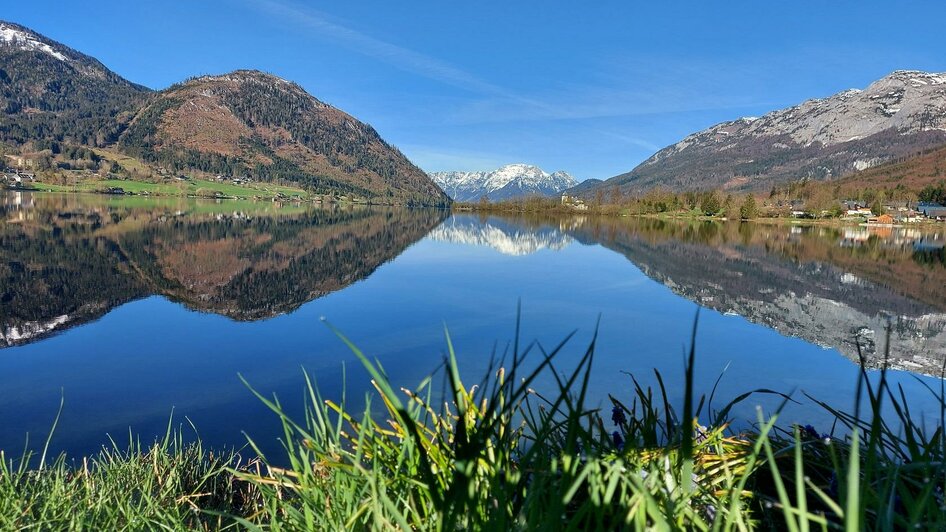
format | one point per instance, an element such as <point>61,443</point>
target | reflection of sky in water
<point>135,364</point>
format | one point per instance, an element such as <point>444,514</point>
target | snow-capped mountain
<point>19,44</point>
<point>18,37</point>
<point>896,116</point>
<point>510,181</point>
<point>506,238</point>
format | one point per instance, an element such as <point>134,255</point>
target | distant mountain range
<point>896,117</point>
<point>242,123</point>
<point>509,182</point>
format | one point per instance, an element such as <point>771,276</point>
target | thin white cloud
<point>514,106</point>
<point>505,105</point>
<point>636,141</point>
<point>392,54</point>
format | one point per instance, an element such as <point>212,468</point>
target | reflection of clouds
<point>508,239</point>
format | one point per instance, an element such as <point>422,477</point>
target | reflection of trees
<point>274,265</point>
<point>906,262</point>
<point>45,275</point>
<point>812,282</point>
<point>930,257</point>
<point>73,260</point>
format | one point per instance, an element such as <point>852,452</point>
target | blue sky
<point>592,88</point>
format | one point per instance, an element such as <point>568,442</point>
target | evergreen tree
<point>934,193</point>
<point>710,204</point>
<point>748,209</point>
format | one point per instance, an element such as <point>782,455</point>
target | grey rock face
<point>825,138</point>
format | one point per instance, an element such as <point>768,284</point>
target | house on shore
<point>854,208</point>
<point>934,211</point>
<point>883,220</point>
<point>574,202</point>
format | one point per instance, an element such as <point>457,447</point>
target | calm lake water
<point>131,309</point>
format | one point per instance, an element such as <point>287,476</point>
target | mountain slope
<point>914,173</point>
<point>49,91</point>
<point>508,182</point>
<point>245,123</point>
<point>582,188</point>
<point>896,116</point>
<point>249,122</point>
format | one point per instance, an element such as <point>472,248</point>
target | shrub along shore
<point>499,455</point>
<point>809,201</point>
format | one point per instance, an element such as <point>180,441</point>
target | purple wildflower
<point>618,440</point>
<point>617,416</point>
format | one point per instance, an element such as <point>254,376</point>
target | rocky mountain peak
<point>507,182</point>
<point>820,138</point>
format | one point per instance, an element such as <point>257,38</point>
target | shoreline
<point>681,217</point>
<point>309,198</point>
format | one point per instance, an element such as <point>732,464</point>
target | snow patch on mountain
<point>510,181</point>
<point>24,40</point>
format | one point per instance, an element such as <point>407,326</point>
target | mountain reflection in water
<point>240,287</point>
<point>834,287</point>
<point>505,236</point>
<point>66,260</point>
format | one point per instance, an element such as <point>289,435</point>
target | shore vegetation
<point>502,455</point>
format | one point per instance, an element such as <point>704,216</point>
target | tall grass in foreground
<point>167,485</point>
<point>499,455</point>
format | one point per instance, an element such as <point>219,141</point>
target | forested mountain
<point>249,122</point>
<point>242,124</point>
<point>49,91</point>
<point>924,170</point>
<point>897,116</point>
<point>581,189</point>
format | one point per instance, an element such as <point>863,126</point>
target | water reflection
<point>837,287</point>
<point>509,237</point>
<point>66,260</point>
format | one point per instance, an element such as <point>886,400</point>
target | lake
<point>133,310</point>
